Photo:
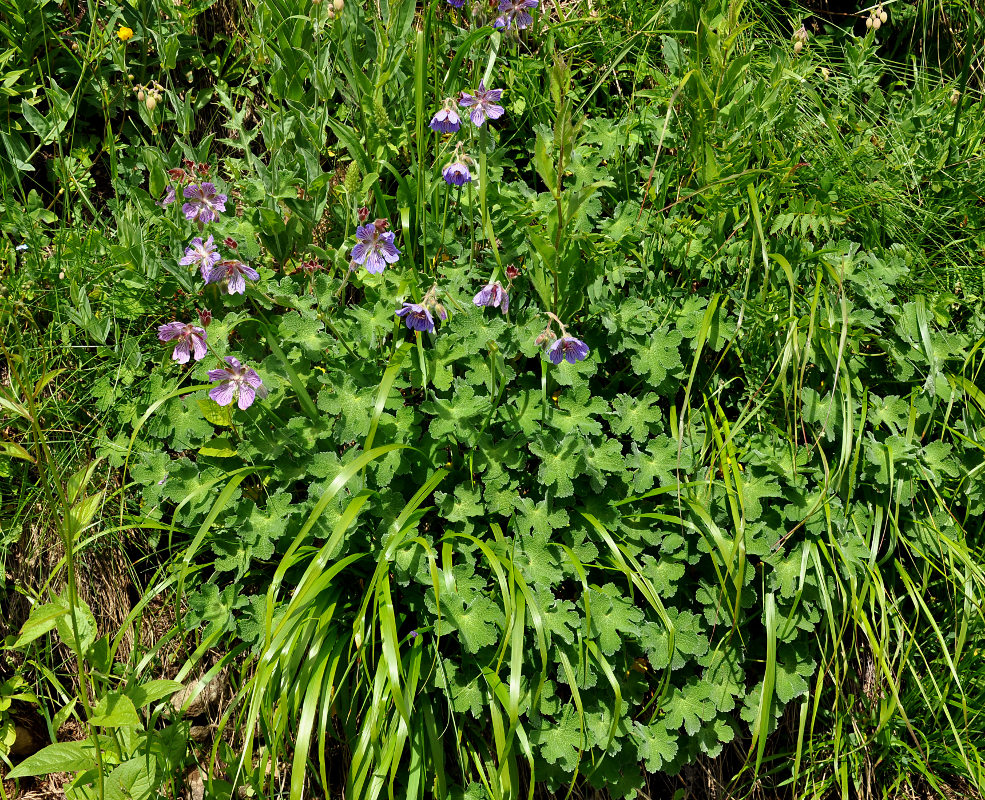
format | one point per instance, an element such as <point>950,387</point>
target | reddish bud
<point>203,169</point>
<point>176,174</point>
<point>205,317</point>
<point>382,224</point>
<point>230,242</point>
<point>363,214</point>
<point>512,272</point>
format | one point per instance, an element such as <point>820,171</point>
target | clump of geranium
<point>374,248</point>
<point>564,347</point>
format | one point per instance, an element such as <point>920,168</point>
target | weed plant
<point>500,396</point>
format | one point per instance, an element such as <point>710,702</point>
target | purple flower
<point>456,3</point>
<point>169,197</point>
<point>446,120</point>
<point>456,174</point>
<point>231,272</point>
<point>191,340</point>
<point>204,203</point>
<point>416,317</point>
<point>375,248</point>
<point>201,253</point>
<point>483,104</point>
<point>237,381</point>
<point>493,294</point>
<point>567,348</point>
<point>515,14</point>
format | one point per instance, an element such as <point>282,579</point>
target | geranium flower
<point>232,272</point>
<point>416,317</point>
<point>238,382</point>
<point>483,104</point>
<point>204,203</point>
<point>567,348</point>
<point>203,254</point>
<point>515,14</point>
<point>191,340</point>
<point>375,248</point>
<point>493,294</point>
<point>446,120</point>
<point>456,174</point>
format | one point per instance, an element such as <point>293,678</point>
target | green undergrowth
<point>434,563</point>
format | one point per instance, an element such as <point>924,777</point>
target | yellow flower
<point>125,33</point>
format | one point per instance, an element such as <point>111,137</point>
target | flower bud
<point>955,97</point>
<point>883,17</point>
<point>141,96</point>
<point>876,24</point>
<point>339,5</point>
<point>512,272</point>
<point>868,22</point>
<point>798,46</point>
<point>440,310</point>
<point>205,317</point>
<point>151,102</point>
<point>363,213</point>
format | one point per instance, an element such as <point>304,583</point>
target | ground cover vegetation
<point>482,400</point>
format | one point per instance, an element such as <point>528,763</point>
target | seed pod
<point>876,24</point>
<point>141,96</point>
<point>883,16</point>
<point>331,13</point>
<point>955,97</point>
<point>339,5</point>
<point>868,22</point>
<point>151,102</point>
<point>798,46</point>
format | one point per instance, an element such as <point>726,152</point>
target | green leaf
<point>115,710</point>
<point>85,622</point>
<point>220,447</point>
<point>132,780</point>
<point>60,757</point>
<point>143,694</point>
<point>214,413</point>
<point>657,745</point>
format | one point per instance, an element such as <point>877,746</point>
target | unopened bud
<point>363,213</point>
<point>141,96</point>
<point>151,102</point>
<point>440,311</point>
<point>512,272</point>
<point>339,5</point>
<point>205,317</point>
<point>230,242</point>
